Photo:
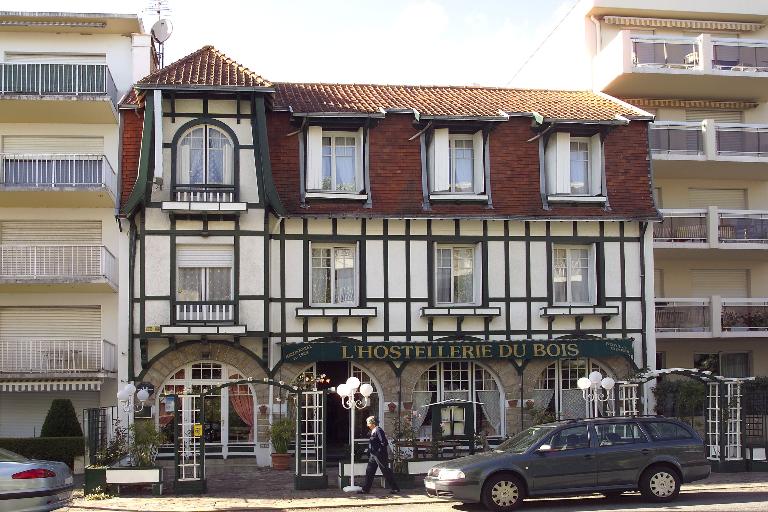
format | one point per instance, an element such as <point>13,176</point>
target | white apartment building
<point>61,333</point>
<point>702,68</point>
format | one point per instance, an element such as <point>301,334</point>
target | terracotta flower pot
<point>281,461</point>
<point>263,409</point>
<point>392,406</point>
<point>407,405</point>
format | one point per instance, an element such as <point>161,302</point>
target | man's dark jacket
<point>377,445</point>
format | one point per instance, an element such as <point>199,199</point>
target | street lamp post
<point>126,398</point>
<point>595,389</point>
<point>347,392</point>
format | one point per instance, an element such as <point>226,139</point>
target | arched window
<point>205,157</point>
<point>229,413</point>
<point>556,390</point>
<point>458,380</point>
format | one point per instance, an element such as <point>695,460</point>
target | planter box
<point>117,476</point>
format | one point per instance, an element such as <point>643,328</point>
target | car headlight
<point>450,474</point>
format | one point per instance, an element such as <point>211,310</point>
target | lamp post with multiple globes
<point>596,389</point>
<point>347,392</point>
<point>126,398</point>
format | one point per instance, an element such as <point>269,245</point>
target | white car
<point>33,485</point>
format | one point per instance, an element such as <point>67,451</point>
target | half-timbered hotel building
<point>442,243</point>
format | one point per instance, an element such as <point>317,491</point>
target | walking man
<point>378,457</point>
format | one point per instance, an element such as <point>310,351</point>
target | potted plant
<point>111,454</point>
<point>280,433</point>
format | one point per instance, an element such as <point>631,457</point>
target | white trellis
<point>628,398</point>
<point>733,421</point>
<point>713,421</point>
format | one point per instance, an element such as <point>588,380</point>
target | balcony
<point>208,198</point>
<point>712,228</point>
<point>677,140</point>
<point>62,180</point>
<point>90,267</point>
<point>57,92</point>
<point>209,312</point>
<point>691,67</point>
<point>711,317</point>
<point>742,142</point>
<point>25,355</point>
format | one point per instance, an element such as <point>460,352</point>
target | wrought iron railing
<point>665,52</point>
<point>682,226</point>
<point>740,55</point>
<point>57,78</point>
<point>57,262</point>
<point>683,315</point>
<point>205,193</point>
<point>742,140</point>
<point>743,226</point>
<point>214,311</point>
<point>44,355</point>
<point>676,138</point>
<point>745,315</point>
<point>57,171</point>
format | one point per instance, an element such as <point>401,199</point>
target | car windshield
<point>522,441</point>
<point>6,456</point>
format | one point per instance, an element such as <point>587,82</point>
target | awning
<point>703,25</point>
<point>50,385</point>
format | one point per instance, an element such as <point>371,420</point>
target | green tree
<point>61,420</point>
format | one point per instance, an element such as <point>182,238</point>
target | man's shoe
<point>394,491</point>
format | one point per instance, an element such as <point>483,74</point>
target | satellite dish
<point>162,30</point>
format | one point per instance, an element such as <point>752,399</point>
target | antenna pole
<point>158,7</point>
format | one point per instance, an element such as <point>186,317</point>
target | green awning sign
<point>457,350</point>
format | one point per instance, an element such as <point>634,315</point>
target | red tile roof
<point>205,67</point>
<point>450,101</point>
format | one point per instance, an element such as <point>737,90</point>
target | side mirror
<point>544,449</point>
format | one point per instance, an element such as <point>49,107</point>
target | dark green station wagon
<point>654,455</point>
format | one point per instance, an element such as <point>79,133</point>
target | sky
<point>457,42</point>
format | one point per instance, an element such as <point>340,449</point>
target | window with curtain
<point>572,275</point>
<point>579,180</point>
<point>556,388</point>
<point>204,273</point>
<point>205,157</point>
<point>462,164</point>
<point>455,275</point>
<point>334,161</point>
<point>339,164</point>
<point>333,275</point>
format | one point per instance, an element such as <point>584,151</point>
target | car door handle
<point>645,451</point>
<point>588,456</point>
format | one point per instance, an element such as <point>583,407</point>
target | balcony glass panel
<point>732,55</point>
<point>661,53</point>
<point>682,315</point>
<point>745,315</point>
<point>690,227</point>
<point>743,227</point>
<point>681,139</point>
<point>742,140</point>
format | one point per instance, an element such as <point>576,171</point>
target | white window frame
<point>317,166</point>
<point>203,268</point>
<point>557,168</point>
<point>591,274</point>
<point>438,162</point>
<point>588,185</point>
<point>452,138</point>
<point>206,164</point>
<point>476,273</point>
<point>356,279</point>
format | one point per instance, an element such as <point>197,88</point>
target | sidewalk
<point>231,488</point>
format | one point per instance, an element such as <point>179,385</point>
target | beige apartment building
<point>61,334</point>
<point>702,68</point>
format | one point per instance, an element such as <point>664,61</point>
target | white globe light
<point>122,395</point>
<point>130,388</point>
<point>143,395</point>
<point>342,390</point>
<point>366,390</point>
<point>608,383</point>
<point>583,383</point>
<point>354,383</point>
<point>595,377</point>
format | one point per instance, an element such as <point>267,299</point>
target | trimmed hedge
<point>61,449</point>
<point>61,420</point>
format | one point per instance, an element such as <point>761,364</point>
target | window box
<point>460,311</point>
<point>579,310</point>
<point>573,167</point>
<point>335,311</point>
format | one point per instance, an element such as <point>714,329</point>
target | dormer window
<point>205,168</point>
<point>334,162</point>
<point>574,168</point>
<point>456,165</point>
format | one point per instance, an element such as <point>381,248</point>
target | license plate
<point>429,484</point>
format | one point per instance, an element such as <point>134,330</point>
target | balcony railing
<point>57,262</point>
<point>745,315</point>
<point>57,79</point>
<point>683,315</point>
<point>742,140</point>
<point>740,55</point>
<point>52,355</point>
<point>660,52</point>
<point>47,171</point>
<point>676,138</point>
<point>205,193</point>
<point>682,226</point>
<point>219,311</point>
<point>736,226</point>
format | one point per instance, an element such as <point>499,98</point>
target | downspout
<point>132,236</point>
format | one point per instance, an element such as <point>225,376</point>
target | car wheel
<point>660,484</point>
<point>503,492</point>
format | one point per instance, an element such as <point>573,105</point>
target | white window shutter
<point>184,164</point>
<point>314,165</point>
<point>563,162</point>
<point>478,150</point>
<point>359,162</point>
<point>596,165</point>
<point>440,161</point>
<point>229,164</point>
<point>550,164</point>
